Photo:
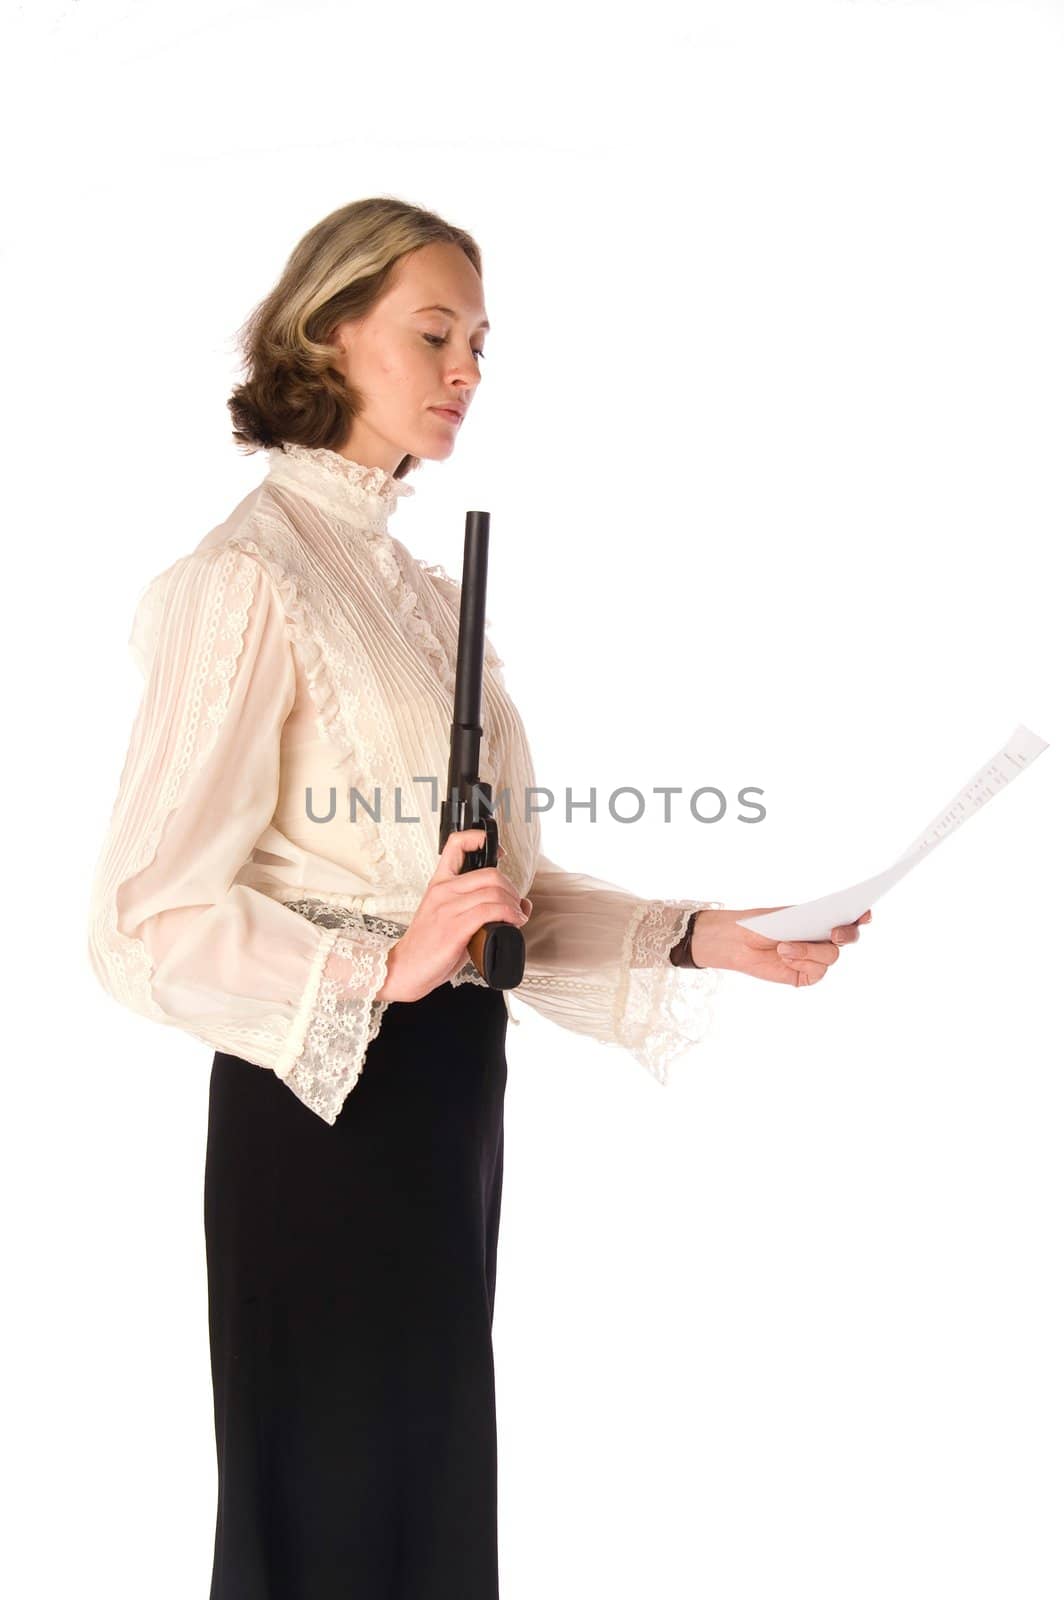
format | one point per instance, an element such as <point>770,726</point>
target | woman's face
<point>408,356</point>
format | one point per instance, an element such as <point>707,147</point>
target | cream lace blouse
<point>297,663</point>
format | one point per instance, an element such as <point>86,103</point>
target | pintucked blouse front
<point>276,823</point>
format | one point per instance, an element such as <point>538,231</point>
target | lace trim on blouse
<point>334,914</point>
<point>337,914</point>
<point>366,497</point>
<point>649,1007</point>
<point>344,1022</point>
<point>662,1010</point>
<point>350,713</point>
<point>367,494</point>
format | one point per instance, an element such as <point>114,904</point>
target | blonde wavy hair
<point>292,392</point>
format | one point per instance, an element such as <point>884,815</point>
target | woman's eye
<point>435,338</point>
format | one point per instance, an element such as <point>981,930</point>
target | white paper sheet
<point>814,919</point>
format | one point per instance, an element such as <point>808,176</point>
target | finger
<point>847,932</point>
<point>484,878</point>
<point>482,894</point>
<point>455,848</point>
<point>806,973</point>
<point>470,917</point>
<point>803,972</point>
<point>820,952</point>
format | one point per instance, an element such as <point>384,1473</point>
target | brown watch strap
<point>680,954</point>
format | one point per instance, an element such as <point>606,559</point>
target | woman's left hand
<point>719,942</point>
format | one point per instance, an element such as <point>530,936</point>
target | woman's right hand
<point>455,904</point>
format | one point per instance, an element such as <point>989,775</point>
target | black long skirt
<point>351,1291</point>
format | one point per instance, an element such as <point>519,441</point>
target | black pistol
<point>498,948</point>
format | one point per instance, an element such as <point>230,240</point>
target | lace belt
<point>331,916</point>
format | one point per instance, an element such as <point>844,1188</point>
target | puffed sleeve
<point>172,934</point>
<point>597,962</point>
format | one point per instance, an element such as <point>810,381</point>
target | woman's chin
<point>434,449</point>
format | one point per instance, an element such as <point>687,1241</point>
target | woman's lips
<point>444,411</point>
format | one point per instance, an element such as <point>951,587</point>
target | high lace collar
<point>360,494</point>
<point>363,498</point>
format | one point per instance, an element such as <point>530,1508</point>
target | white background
<point>770,433</point>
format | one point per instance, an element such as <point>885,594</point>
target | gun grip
<point>498,953</point>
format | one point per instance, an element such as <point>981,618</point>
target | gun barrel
<point>466,730</point>
<point>498,948</point>
<point>470,662</point>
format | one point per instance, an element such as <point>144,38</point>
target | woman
<point>259,890</point>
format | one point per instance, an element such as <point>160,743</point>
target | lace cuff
<point>339,1020</point>
<point>660,1009</point>
<point>598,962</point>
